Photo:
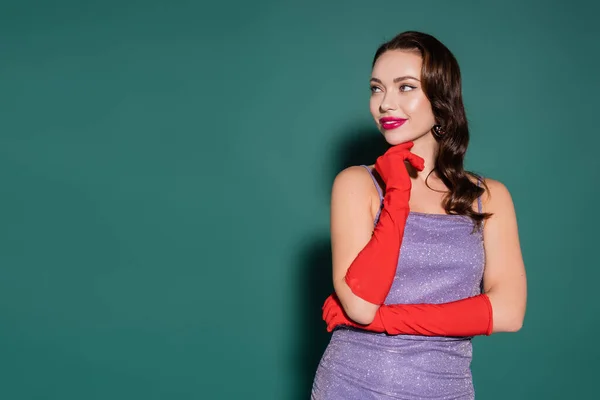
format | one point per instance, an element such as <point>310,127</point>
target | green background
<point>165,172</point>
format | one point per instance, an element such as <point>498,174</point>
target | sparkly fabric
<point>441,260</point>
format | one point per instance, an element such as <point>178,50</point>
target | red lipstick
<point>389,123</point>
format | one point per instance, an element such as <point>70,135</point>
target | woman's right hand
<point>392,170</point>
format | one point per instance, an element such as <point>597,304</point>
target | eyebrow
<point>398,79</point>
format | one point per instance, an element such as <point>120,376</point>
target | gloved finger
<point>329,312</point>
<point>324,304</point>
<point>325,313</point>
<point>330,326</point>
<point>333,322</point>
<point>333,302</point>
<point>415,161</point>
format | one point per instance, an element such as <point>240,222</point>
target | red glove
<point>467,317</point>
<point>333,315</point>
<point>371,274</point>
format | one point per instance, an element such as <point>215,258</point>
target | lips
<point>389,123</point>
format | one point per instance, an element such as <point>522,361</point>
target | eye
<point>407,88</point>
<point>374,89</point>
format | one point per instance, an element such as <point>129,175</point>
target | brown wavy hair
<point>441,82</point>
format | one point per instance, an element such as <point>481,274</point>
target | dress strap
<point>479,198</point>
<point>375,181</point>
<point>379,191</point>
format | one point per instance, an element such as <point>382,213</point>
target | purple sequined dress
<point>441,260</point>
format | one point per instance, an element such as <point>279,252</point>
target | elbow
<point>516,324</point>
<point>510,324</point>
<point>508,312</point>
<point>361,315</point>
<point>357,309</point>
<point>360,311</point>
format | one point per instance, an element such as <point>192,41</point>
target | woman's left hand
<point>334,315</point>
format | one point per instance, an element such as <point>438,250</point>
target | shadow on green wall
<point>358,146</point>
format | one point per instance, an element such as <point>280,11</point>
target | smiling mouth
<point>391,123</point>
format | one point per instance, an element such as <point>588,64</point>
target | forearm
<point>484,314</point>
<point>509,308</point>
<point>371,274</point>
<point>500,308</point>
<point>467,317</point>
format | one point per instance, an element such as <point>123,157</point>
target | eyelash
<point>375,87</point>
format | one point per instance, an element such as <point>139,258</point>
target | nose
<point>388,102</point>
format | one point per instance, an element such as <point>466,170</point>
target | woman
<point>425,254</point>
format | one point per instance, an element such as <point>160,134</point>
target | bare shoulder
<point>497,197</point>
<point>354,185</point>
<point>354,181</point>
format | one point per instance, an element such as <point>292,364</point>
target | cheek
<point>374,107</point>
<point>419,108</point>
<point>415,105</point>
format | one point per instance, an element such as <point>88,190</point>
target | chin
<point>394,138</point>
<point>397,136</point>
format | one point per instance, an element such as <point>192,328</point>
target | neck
<point>427,148</point>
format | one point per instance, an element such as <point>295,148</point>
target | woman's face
<point>398,104</point>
